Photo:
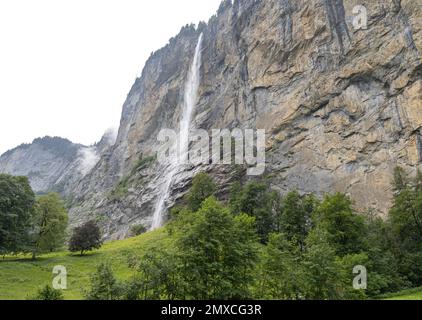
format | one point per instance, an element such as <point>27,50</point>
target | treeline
<point>29,224</point>
<point>35,225</point>
<point>260,245</point>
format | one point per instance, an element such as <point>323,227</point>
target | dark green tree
<point>400,179</point>
<point>138,229</point>
<point>203,186</point>
<point>218,252</point>
<point>257,200</point>
<point>295,219</point>
<point>104,285</point>
<point>157,276</point>
<point>16,214</point>
<point>48,293</point>
<point>281,272</point>
<point>405,221</point>
<point>345,229</point>
<point>85,238</point>
<point>322,274</point>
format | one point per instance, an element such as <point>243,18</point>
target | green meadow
<point>20,277</point>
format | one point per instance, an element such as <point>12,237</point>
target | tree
<point>345,229</point>
<point>48,293</point>
<point>138,229</point>
<point>50,224</point>
<point>281,270</point>
<point>295,219</point>
<point>218,252</point>
<point>85,238</point>
<point>418,180</point>
<point>405,220</point>
<point>203,186</point>
<point>16,214</point>
<point>157,276</point>
<point>322,272</point>
<point>103,285</point>
<point>400,179</point>
<point>255,199</point>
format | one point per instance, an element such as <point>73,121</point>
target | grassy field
<point>412,294</point>
<point>20,277</point>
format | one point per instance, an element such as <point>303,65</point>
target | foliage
<point>256,200</point>
<point>121,189</point>
<point>104,285</point>
<point>295,219</point>
<point>48,293</point>
<point>345,229</point>
<point>405,222</point>
<point>203,187</point>
<point>156,276</point>
<point>50,224</point>
<point>281,272</point>
<point>138,229</point>
<point>322,273</point>
<point>142,164</point>
<point>85,238</point>
<point>16,214</point>
<point>217,252</point>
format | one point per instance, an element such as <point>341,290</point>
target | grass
<point>411,294</point>
<point>21,277</point>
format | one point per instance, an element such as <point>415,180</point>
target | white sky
<point>66,66</point>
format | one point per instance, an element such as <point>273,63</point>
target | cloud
<point>88,158</point>
<point>111,135</point>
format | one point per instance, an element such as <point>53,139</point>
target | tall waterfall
<point>177,163</point>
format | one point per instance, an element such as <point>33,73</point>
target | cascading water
<point>177,162</point>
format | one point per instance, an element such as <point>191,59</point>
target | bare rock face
<point>341,106</point>
<point>53,163</point>
<point>49,163</point>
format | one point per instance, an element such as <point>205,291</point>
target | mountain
<point>341,105</point>
<point>48,163</point>
<point>53,163</point>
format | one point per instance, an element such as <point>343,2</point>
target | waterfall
<point>177,163</point>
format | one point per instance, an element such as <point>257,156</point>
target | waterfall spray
<point>176,163</point>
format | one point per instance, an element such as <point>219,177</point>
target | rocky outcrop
<point>49,163</point>
<point>341,106</point>
<point>53,163</point>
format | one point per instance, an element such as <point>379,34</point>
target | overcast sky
<point>66,66</point>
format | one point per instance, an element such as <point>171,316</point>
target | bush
<point>85,238</point>
<point>138,229</point>
<point>48,293</point>
<point>104,285</point>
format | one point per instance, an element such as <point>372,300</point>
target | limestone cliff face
<point>341,107</point>
<point>49,163</point>
<point>53,163</point>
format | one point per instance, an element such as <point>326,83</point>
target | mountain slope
<point>48,163</point>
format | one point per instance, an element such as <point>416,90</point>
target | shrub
<point>85,238</point>
<point>48,293</point>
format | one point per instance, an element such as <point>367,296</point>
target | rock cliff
<point>341,106</point>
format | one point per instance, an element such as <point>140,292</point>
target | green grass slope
<point>411,294</point>
<point>20,277</point>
